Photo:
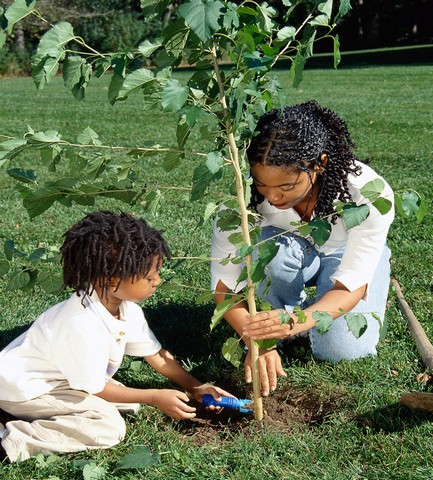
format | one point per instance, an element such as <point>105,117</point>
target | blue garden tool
<point>227,402</point>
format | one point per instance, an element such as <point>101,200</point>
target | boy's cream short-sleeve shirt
<point>81,343</point>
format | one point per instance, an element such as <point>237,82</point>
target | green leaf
<point>204,298</point>
<point>220,310</point>
<point>116,83</point>
<point>344,8</point>
<point>88,137</point>
<point>267,343</point>
<point>229,219</point>
<point>210,209</point>
<point>72,70</point>
<point>171,161</point>
<point>154,7</point>
<point>2,39</point>
<point>321,230</point>
<point>17,11</point>
<point>79,89</point>
<point>232,351</point>
<point>202,176</point>
<point>39,201</point>
<point>147,47</point>
<point>51,281</point>
<point>19,279</point>
<point>357,323</point>
<point>353,215</point>
<point>202,17</point>
<point>407,204</point>
<point>424,207</point>
<point>297,69</point>
<point>285,318</point>
<point>134,81</point>
<point>337,54</point>
<point>141,457</point>
<point>4,267</point>
<point>54,40</point>
<point>9,249</point>
<point>237,238</point>
<point>257,271</point>
<point>319,21</point>
<point>383,205</point>
<point>10,149</point>
<point>323,321</point>
<point>48,137</point>
<point>94,472</point>
<point>182,132</point>
<point>286,33</point>
<point>175,39</point>
<point>373,189</point>
<point>267,251</point>
<point>214,161</point>
<point>300,314</point>
<point>192,115</point>
<point>258,63</point>
<point>36,255</point>
<point>174,96</point>
<point>326,7</point>
<point>24,176</point>
<point>266,12</point>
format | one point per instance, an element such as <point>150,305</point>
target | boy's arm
<point>165,364</point>
<point>171,402</point>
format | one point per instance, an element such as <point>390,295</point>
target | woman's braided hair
<point>296,137</point>
<point>105,245</point>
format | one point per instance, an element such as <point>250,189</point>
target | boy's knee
<point>109,428</point>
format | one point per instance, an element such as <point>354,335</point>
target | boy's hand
<point>174,404</point>
<point>216,392</point>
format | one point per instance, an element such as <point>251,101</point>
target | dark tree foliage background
<point>113,25</point>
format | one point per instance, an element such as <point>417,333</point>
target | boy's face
<point>138,289</point>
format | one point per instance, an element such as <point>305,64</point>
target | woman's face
<point>283,187</point>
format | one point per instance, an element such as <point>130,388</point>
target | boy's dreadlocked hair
<point>296,137</point>
<point>105,245</point>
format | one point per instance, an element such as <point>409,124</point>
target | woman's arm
<point>268,324</point>
<point>269,361</point>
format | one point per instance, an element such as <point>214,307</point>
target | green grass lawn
<point>367,434</point>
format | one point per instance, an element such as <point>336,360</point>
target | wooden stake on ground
<point>416,400</point>
<point>416,330</point>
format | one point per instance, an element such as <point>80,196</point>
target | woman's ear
<point>324,160</point>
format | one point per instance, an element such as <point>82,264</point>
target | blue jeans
<point>298,265</point>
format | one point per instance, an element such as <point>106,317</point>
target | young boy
<point>56,378</point>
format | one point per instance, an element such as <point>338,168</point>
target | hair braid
<point>104,246</point>
<point>296,137</point>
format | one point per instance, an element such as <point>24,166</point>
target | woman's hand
<point>269,367</point>
<point>173,403</point>
<point>274,324</point>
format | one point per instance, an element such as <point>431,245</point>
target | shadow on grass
<point>8,335</point>
<point>184,329</point>
<point>392,418</point>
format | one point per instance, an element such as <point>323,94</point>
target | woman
<point>301,162</point>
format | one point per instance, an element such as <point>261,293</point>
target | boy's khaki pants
<point>64,420</point>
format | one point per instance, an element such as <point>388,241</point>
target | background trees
<point>113,25</point>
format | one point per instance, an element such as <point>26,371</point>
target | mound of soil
<point>282,411</point>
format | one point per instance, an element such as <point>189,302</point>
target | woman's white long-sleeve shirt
<point>363,243</point>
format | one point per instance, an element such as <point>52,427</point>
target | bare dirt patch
<point>283,411</point>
